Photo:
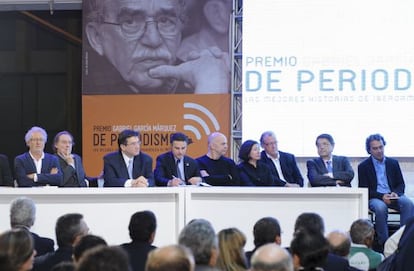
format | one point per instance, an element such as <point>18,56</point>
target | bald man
<point>215,168</point>
<point>339,243</point>
<point>170,258</point>
<point>271,257</point>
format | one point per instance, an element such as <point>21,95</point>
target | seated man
<point>362,256</point>
<point>383,177</point>
<point>171,258</point>
<point>215,168</point>
<point>328,169</point>
<point>271,257</point>
<point>175,168</point>
<point>35,167</point>
<point>283,165</point>
<point>6,178</point>
<point>128,167</point>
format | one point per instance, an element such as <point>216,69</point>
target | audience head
<point>142,226</point>
<point>231,250</point>
<point>85,243</point>
<point>22,212</point>
<point>104,258</point>
<point>129,142</point>
<point>362,232</point>
<point>63,142</point>
<point>309,249</point>
<point>268,142</point>
<point>271,257</point>
<point>339,243</point>
<point>325,145</point>
<point>170,258</point>
<point>64,266</point>
<point>267,230</point>
<point>179,143</point>
<point>374,145</point>
<point>249,150</point>
<point>16,250</point>
<point>217,145</point>
<point>310,222</point>
<point>36,139</point>
<point>199,236</point>
<point>70,228</point>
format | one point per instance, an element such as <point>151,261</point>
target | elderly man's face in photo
<point>137,35</point>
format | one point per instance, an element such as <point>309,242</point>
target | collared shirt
<point>180,167</point>
<point>382,180</point>
<point>276,162</point>
<point>38,165</point>
<point>329,169</point>
<point>126,160</point>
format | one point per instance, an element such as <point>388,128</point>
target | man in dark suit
<point>283,165</point>
<point>383,177</point>
<point>35,167</point>
<point>142,228</point>
<point>175,168</point>
<point>328,169</point>
<point>70,228</point>
<point>70,163</point>
<point>6,178</point>
<point>23,215</point>
<point>128,167</point>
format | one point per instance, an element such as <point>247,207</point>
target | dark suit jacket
<point>165,168</point>
<point>6,178</point>
<point>255,176</point>
<point>72,177</point>
<point>116,172</point>
<point>336,263</point>
<point>24,165</point>
<point>289,168</point>
<point>138,253</point>
<point>48,261</point>
<point>42,245</point>
<point>342,170</point>
<point>367,177</point>
<point>404,259</point>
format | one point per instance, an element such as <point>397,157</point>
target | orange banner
<point>156,117</point>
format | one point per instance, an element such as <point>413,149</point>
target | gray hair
<point>22,212</point>
<point>35,129</point>
<point>271,257</point>
<point>199,236</point>
<point>361,229</point>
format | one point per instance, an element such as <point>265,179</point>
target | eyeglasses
<point>135,143</point>
<point>134,25</point>
<point>273,143</point>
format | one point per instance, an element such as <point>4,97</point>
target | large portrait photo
<point>156,46</point>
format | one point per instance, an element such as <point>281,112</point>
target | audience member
<point>70,163</point>
<point>70,228</point>
<point>328,169</point>
<point>129,166</point>
<point>23,215</point>
<point>35,167</point>
<point>383,177</point>
<point>253,172</point>
<point>266,230</point>
<point>313,223</point>
<point>231,250</point>
<point>137,53</point>
<point>215,168</point>
<point>16,250</point>
<point>199,236</point>
<point>170,258</point>
<point>362,256</point>
<point>6,178</point>
<point>283,165</point>
<point>175,168</point>
<point>339,243</point>
<point>85,243</point>
<point>64,266</point>
<point>142,227</point>
<point>104,258</point>
<point>404,260</point>
<point>271,257</point>
<point>309,250</point>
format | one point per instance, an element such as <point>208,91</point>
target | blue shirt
<point>382,180</point>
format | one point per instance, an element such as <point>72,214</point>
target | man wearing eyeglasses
<point>283,165</point>
<point>140,40</point>
<point>128,167</point>
<point>35,167</point>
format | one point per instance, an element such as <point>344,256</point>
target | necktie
<point>179,175</point>
<point>130,166</point>
<point>329,166</point>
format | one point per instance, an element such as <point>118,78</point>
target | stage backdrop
<point>329,66</point>
<point>122,42</point>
